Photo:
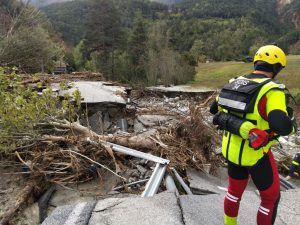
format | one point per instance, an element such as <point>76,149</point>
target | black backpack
<point>240,95</point>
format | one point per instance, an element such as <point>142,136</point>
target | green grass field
<point>216,74</point>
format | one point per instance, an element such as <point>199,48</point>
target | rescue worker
<point>252,111</point>
<point>294,166</point>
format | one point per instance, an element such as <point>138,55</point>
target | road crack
<point>181,211</point>
<point>109,207</point>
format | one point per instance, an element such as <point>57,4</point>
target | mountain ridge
<point>168,2</point>
<point>42,3</point>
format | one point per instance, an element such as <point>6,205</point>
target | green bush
<point>23,110</point>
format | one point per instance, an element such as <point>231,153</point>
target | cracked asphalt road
<point>167,209</point>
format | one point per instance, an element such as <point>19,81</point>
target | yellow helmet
<point>270,54</point>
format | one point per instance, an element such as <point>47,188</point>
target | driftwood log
<point>22,199</point>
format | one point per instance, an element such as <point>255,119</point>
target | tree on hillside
<point>31,50</point>
<point>104,34</point>
<point>79,56</point>
<point>28,42</point>
<point>165,65</point>
<point>137,49</point>
<point>197,50</point>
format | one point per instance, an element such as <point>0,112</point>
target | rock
<point>148,174</point>
<point>141,169</point>
<point>95,122</point>
<point>113,193</point>
<point>142,162</point>
<point>106,121</point>
<point>151,165</point>
<point>132,179</point>
<point>297,140</point>
<point>153,120</point>
<point>138,126</point>
<point>218,150</point>
<point>132,173</point>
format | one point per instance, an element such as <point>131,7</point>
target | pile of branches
<point>63,161</point>
<point>76,155</point>
<point>191,143</point>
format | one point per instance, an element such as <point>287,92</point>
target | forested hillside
<point>150,42</point>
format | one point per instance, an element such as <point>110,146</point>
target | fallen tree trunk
<point>139,141</point>
<point>22,199</point>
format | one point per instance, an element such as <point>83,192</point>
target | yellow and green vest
<point>235,148</point>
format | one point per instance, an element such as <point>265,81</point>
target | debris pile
<point>72,153</point>
<point>285,150</point>
<point>191,143</point>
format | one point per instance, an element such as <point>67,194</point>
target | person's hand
<point>258,138</point>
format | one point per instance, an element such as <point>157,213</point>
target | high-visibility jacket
<point>235,148</point>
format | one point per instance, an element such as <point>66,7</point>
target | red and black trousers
<point>265,176</point>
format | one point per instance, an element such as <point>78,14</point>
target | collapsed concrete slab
<point>202,183</point>
<point>172,91</point>
<point>96,92</point>
<point>161,209</point>
<point>102,102</point>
